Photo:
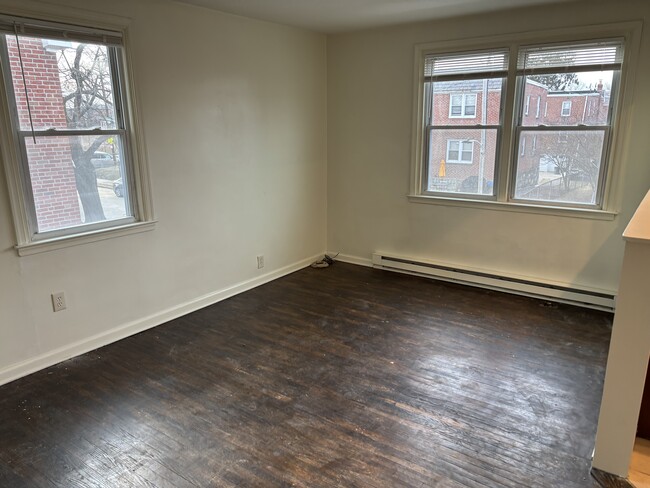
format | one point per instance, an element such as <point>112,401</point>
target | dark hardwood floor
<point>340,377</point>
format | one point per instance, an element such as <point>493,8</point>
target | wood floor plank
<point>345,376</point>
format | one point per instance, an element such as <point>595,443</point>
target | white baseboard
<point>347,258</point>
<point>29,366</point>
<point>531,286</point>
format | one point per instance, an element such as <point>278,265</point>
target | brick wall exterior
<point>50,161</point>
<point>544,107</point>
<point>455,172</point>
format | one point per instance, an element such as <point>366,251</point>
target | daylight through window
<point>66,97</point>
<point>563,116</point>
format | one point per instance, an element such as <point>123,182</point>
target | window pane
<point>562,166</point>
<point>470,104</point>
<point>461,160</point>
<point>460,102</point>
<point>568,98</point>
<point>76,180</point>
<point>68,84</point>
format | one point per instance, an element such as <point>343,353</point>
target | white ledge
<point>83,238</point>
<point>581,213</point>
<point>638,230</point>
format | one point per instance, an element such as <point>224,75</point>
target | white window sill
<point>83,238</point>
<point>581,213</point>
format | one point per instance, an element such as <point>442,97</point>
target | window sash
<point>519,128</point>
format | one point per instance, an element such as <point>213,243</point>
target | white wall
<point>234,115</point>
<point>370,100</point>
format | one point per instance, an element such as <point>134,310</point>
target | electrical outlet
<point>260,262</point>
<point>58,301</point>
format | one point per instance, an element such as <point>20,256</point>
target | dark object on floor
<point>606,480</point>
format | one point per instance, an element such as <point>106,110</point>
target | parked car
<point>118,187</point>
<point>104,160</point>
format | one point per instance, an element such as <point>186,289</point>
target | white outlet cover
<point>58,301</point>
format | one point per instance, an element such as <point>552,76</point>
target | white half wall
<point>234,116</point>
<point>370,102</point>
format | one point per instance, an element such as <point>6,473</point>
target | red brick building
<point>50,160</point>
<point>468,155</point>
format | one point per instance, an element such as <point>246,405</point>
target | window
<point>462,105</point>
<point>565,162</point>
<point>574,144</point>
<point>479,77</point>
<point>527,108</point>
<point>72,143</point>
<point>459,151</point>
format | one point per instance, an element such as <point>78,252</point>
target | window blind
<point>52,30</point>
<point>592,56</point>
<point>486,64</point>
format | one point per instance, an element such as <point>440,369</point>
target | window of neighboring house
<point>462,105</point>
<point>72,142</point>
<point>459,151</point>
<point>527,107</point>
<point>566,108</point>
<point>512,174</point>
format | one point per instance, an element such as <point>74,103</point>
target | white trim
<point>142,200</point>
<point>23,368</point>
<point>53,13</point>
<point>53,244</point>
<point>581,213</point>
<point>460,159</point>
<point>463,105</point>
<point>350,259</point>
<point>612,194</point>
<point>571,293</point>
<point>569,105</point>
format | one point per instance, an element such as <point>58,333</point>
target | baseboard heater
<point>590,298</point>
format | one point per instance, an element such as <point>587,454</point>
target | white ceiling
<point>345,15</point>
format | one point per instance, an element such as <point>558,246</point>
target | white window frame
<point>539,101</point>
<point>28,241</point>
<point>611,195</point>
<point>460,159</point>
<point>463,105</point>
<point>566,104</point>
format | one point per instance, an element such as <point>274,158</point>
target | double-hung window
<point>69,131</point>
<point>565,165</point>
<point>478,77</point>
<point>570,139</point>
